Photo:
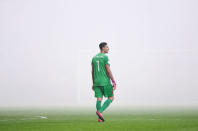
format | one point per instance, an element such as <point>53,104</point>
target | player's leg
<point>106,104</point>
<point>98,106</point>
<point>99,91</point>
<point>98,103</point>
<point>111,97</point>
<point>99,95</point>
<point>109,93</point>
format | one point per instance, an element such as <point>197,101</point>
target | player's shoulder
<point>105,56</point>
<point>95,57</point>
<point>100,56</point>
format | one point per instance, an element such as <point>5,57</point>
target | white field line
<point>30,118</point>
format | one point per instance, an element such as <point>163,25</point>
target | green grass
<point>86,120</point>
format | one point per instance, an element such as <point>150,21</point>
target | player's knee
<point>112,98</point>
<point>99,99</point>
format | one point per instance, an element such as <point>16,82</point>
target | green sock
<point>98,105</point>
<point>105,105</point>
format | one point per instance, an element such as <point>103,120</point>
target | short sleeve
<point>106,60</point>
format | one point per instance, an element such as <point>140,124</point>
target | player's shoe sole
<point>100,115</point>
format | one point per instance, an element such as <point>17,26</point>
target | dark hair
<point>102,44</point>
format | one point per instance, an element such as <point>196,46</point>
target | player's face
<point>106,49</point>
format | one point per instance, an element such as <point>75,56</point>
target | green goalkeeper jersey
<point>101,77</point>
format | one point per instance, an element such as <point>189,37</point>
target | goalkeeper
<point>101,75</point>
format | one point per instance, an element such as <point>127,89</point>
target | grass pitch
<point>86,120</point>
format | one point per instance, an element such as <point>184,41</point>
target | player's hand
<point>114,85</point>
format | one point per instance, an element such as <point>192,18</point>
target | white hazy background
<point>46,47</point>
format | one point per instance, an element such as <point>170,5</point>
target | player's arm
<point>92,72</point>
<point>110,75</point>
<point>109,72</point>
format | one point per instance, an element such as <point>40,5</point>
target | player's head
<point>103,47</point>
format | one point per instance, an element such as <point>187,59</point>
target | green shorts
<point>106,91</point>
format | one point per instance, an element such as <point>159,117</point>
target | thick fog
<point>46,47</point>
